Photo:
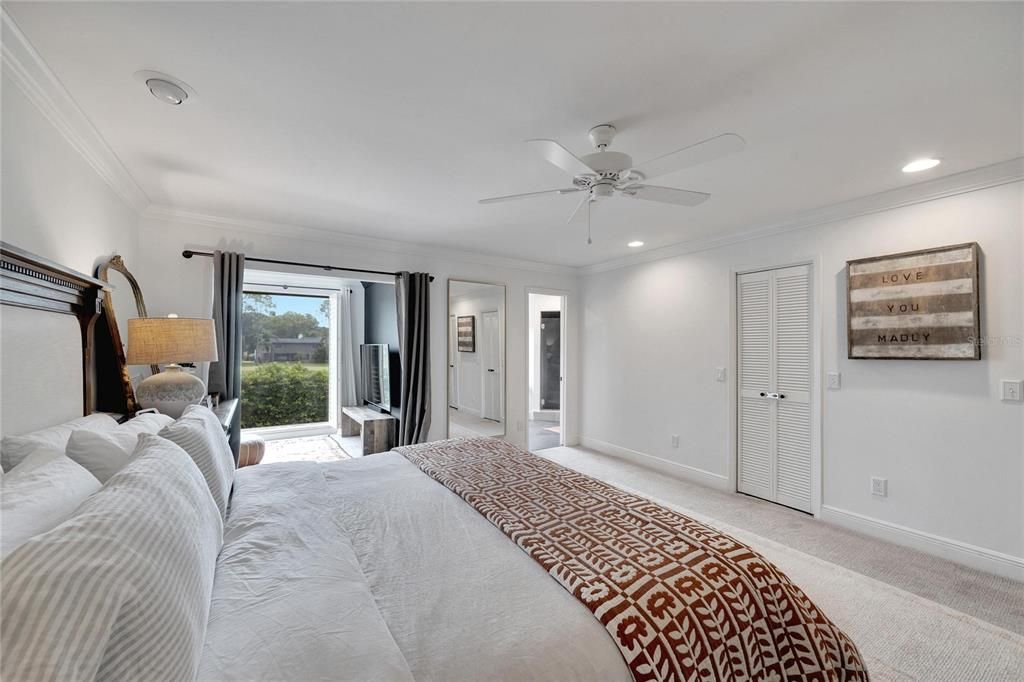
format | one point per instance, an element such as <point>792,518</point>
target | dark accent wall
<point>380,325</point>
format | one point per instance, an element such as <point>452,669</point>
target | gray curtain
<point>412,291</point>
<point>226,373</point>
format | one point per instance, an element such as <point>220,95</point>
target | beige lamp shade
<point>162,340</point>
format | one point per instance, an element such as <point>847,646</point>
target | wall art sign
<point>466,328</point>
<point>919,305</point>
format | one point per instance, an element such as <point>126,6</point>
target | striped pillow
<point>122,589</point>
<point>200,434</point>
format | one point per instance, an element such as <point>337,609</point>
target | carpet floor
<point>913,616</point>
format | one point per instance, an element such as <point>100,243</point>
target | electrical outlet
<point>675,440</point>
<point>1012,389</point>
<point>719,373</point>
<point>880,486</point>
<point>834,381</point>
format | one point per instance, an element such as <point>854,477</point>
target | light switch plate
<point>675,440</point>
<point>719,373</point>
<point>1012,389</point>
<point>834,381</point>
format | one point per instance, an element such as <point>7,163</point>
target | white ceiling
<point>391,120</point>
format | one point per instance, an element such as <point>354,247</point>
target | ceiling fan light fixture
<point>635,244</point>
<point>918,165</point>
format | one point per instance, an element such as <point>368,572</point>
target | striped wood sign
<point>919,305</point>
<point>466,328</point>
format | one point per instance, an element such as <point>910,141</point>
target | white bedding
<point>368,569</point>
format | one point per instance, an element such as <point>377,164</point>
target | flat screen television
<point>374,360</point>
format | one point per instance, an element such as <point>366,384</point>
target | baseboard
<point>659,464</point>
<point>962,553</point>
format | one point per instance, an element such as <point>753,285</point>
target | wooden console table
<point>376,429</point>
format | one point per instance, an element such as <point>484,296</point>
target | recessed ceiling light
<point>635,244</point>
<point>921,165</point>
<point>166,91</point>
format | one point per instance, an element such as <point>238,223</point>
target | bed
<point>454,560</point>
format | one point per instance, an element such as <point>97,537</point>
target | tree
<point>262,304</point>
<point>325,308</point>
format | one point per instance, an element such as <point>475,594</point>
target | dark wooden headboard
<point>31,281</point>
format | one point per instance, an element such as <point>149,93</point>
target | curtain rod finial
<point>186,253</point>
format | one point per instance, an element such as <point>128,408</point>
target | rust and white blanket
<point>681,600</point>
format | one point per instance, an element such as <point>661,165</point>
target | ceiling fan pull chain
<point>589,240</point>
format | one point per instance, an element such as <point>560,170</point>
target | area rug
<point>902,636</point>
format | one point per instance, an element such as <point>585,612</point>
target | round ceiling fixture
<point>919,165</point>
<point>635,244</point>
<point>167,89</point>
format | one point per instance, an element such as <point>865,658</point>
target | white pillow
<point>13,449</point>
<point>106,453</point>
<point>37,499</point>
<point>122,589</point>
<point>200,434</point>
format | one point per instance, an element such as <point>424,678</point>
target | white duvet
<point>368,569</point>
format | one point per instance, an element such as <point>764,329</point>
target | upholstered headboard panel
<point>46,331</point>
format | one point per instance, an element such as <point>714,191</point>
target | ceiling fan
<point>605,173</point>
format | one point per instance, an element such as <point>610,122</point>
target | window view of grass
<point>284,359</point>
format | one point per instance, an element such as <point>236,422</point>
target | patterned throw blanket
<point>681,600</point>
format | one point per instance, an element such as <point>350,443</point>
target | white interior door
<point>774,357</point>
<point>491,370</point>
<point>453,379</point>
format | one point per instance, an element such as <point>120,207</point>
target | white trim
<point>43,89</point>
<point>961,552</point>
<point>320,235</point>
<point>665,466</point>
<point>994,175</point>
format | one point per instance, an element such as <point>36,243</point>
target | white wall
<point>54,203</point>
<point>952,451</point>
<point>173,283</point>
<point>538,303</point>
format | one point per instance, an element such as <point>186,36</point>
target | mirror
<point>476,359</point>
<point>114,380</point>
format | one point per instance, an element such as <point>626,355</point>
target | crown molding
<point>323,235</point>
<point>33,77</point>
<point>985,177</point>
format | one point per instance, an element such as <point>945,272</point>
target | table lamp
<point>170,340</point>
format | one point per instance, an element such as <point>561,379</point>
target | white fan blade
<point>558,155</point>
<point>666,195</point>
<point>578,213</point>
<point>513,197</point>
<point>702,152</point>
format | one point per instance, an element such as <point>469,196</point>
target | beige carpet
<point>902,636</point>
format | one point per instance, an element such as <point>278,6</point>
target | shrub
<point>281,393</point>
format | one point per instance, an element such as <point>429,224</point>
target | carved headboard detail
<point>31,281</point>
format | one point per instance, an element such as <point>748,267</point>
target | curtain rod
<point>188,253</point>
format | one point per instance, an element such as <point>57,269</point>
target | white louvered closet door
<point>774,356</point>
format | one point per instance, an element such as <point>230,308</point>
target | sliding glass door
<point>286,370</point>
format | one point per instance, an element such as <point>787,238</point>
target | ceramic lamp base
<point>170,391</point>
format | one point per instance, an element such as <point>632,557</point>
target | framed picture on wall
<point>466,327</point>
<point>918,305</point>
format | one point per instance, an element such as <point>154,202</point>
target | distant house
<point>299,349</point>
